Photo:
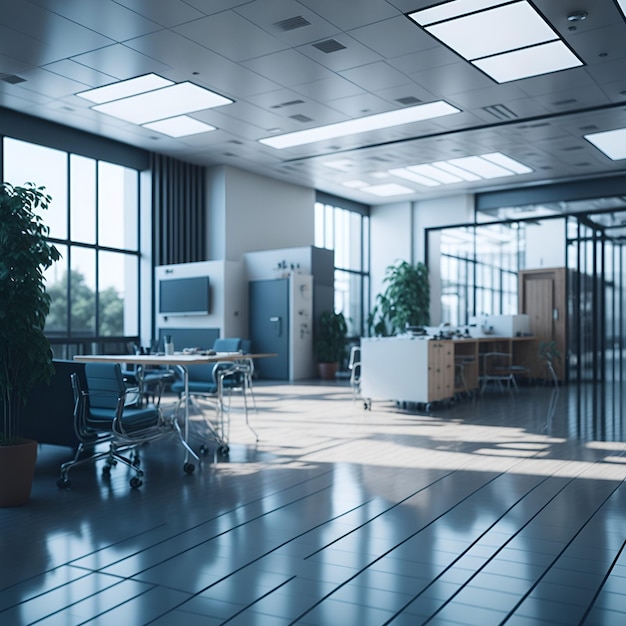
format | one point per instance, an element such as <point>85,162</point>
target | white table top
<point>178,358</point>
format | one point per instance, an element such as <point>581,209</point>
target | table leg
<point>188,467</point>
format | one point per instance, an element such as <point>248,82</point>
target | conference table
<point>182,361</point>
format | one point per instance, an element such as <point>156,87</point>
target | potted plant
<point>330,343</point>
<point>405,301</point>
<point>25,354</point>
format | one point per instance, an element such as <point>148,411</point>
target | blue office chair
<point>101,415</point>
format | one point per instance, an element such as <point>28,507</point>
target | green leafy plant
<point>25,353</point>
<point>330,343</point>
<point>405,301</point>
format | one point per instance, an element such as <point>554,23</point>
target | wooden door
<point>542,298</point>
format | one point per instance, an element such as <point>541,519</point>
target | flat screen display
<point>184,296</point>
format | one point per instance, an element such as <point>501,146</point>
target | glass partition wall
<point>474,270</point>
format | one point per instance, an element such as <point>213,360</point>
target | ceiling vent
<point>328,46</point>
<point>572,148</point>
<point>292,23</point>
<point>408,100</point>
<point>500,111</point>
<point>301,118</point>
<point>562,103</point>
<point>290,103</point>
<point>12,79</point>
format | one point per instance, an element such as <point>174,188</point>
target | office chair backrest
<point>105,385</point>
<point>227,344</point>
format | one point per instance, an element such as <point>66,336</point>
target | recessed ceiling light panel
<point>180,126</point>
<point>472,168</point>
<point>388,190</point>
<point>544,59</point>
<point>407,174</point>
<point>163,103</point>
<point>611,142</point>
<point>378,121</point>
<point>125,88</point>
<point>498,30</point>
<point>507,40</point>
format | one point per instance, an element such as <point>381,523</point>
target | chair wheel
<point>136,482</point>
<point>223,449</point>
<point>204,449</point>
<point>64,483</point>
<point>189,468</point>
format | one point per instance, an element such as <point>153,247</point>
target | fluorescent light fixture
<point>378,121</point>
<point>501,29</point>
<point>407,174</point>
<point>181,126</point>
<point>507,162</point>
<point>355,184</point>
<point>125,88</point>
<point>343,165</point>
<point>622,6</point>
<point>431,171</point>
<point>449,10</point>
<point>481,167</point>
<point>611,142</point>
<point>163,103</point>
<point>543,59</point>
<point>388,190</point>
<point>457,171</point>
<point>507,40</point>
<point>380,175</point>
<point>472,168</point>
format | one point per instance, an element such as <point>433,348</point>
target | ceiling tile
<point>345,15</point>
<point>289,67</point>
<point>375,76</point>
<point>268,13</point>
<point>329,89</point>
<point>170,13</point>
<point>121,62</point>
<point>213,70</point>
<point>394,37</point>
<point>232,36</point>
<point>106,17</point>
<point>353,54</point>
<point>80,73</point>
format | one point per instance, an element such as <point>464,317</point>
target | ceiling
<point>262,55</point>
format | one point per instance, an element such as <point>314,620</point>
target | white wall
<point>390,241</point>
<point>228,297</point>
<point>545,244</point>
<point>430,214</point>
<point>248,212</point>
<point>439,212</point>
<point>398,233</point>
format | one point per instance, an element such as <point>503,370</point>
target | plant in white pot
<point>25,353</point>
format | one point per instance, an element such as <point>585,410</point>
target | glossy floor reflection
<point>493,511</point>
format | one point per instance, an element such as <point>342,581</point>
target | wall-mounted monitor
<point>185,296</point>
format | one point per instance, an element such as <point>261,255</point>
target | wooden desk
<point>181,361</point>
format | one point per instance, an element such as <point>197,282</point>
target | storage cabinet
<point>440,370</point>
<point>407,369</point>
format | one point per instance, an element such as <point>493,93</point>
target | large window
<point>479,266</point>
<point>93,220</point>
<point>346,232</point>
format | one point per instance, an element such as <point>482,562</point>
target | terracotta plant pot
<point>327,371</point>
<point>17,469</point>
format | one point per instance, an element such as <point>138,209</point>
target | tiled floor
<point>482,513</point>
